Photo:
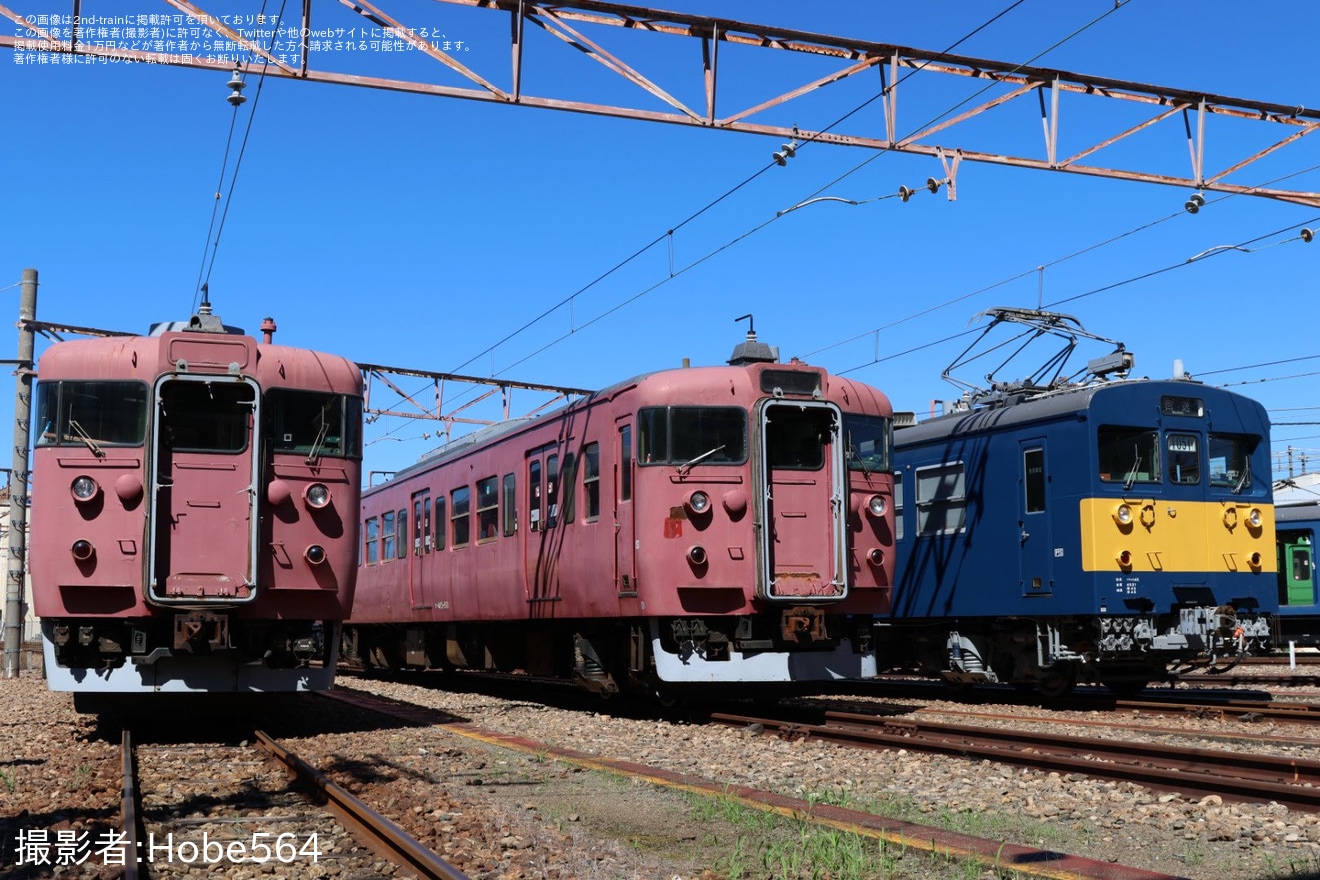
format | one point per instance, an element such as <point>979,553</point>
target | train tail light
<point>315,555</point>
<point>697,555</point>
<point>82,550</point>
<point>876,557</point>
<point>1125,558</point>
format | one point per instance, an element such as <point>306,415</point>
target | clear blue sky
<point>419,231</point>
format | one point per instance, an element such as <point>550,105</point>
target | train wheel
<point>1057,682</point>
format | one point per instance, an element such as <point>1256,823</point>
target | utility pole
<point>16,574</point>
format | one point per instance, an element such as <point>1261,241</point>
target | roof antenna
<point>751,351</point>
<point>205,307</point>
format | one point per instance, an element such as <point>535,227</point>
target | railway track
<point>190,806</point>
<point>1236,776</point>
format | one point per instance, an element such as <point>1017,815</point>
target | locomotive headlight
<point>84,488</point>
<point>698,502</point>
<point>317,496</point>
<point>1253,518</point>
<point>875,506</point>
<point>315,554</point>
<point>82,550</point>
<point>1123,515</point>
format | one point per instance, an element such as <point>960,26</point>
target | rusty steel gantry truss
<point>574,22</point>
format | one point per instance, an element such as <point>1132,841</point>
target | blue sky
<point>419,231</point>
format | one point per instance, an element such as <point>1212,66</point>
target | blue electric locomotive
<point>1299,607</point>
<point>1100,529</point>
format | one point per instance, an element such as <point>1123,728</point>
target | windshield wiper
<point>1132,474</point>
<point>315,451</point>
<point>86,438</point>
<point>1242,480</point>
<point>853,456</point>
<point>687,466</point>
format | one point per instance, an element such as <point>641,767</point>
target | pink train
<point>194,512</point>
<point>684,528</point>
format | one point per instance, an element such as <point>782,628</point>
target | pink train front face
<point>695,526</point>
<point>193,516</point>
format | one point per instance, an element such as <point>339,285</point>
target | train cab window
<point>795,438</point>
<point>682,434</point>
<point>403,535</point>
<point>868,440</point>
<point>1183,459</point>
<point>91,414</point>
<point>458,514</point>
<point>898,506</point>
<point>315,423</point>
<point>510,504</point>
<point>1230,461</point>
<point>591,481</point>
<point>1129,455</point>
<point>534,495</point>
<point>371,539</point>
<point>488,509</point>
<point>941,499</point>
<point>204,415</point>
<point>387,536</point>
<point>440,522</point>
<point>625,463</point>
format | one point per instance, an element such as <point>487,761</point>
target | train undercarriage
<point>189,651</point>
<point>1051,655</point>
<point>645,656</point>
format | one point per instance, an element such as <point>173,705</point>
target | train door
<point>625,540</point>
<point>420,554</point>
<point>204,477</point>
<point>1296,568</point>
<point>803,552</point>
<point>1036,549</point>
<point>541,547</point>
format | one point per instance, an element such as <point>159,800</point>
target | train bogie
<point>684,528</point>
<point>194,506</point>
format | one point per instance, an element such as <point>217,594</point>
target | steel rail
<point>129,821</point>
<point>384,837</point>
<point>1235,775</point>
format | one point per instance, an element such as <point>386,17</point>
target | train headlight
<point>317,496</point>
<point>82,550</point>
<point>1123,515</point>
<point>315,554</point>
<point>1254,518</point>
<point>84,489</point>
<point>698,502</point>
<point>875,506</point>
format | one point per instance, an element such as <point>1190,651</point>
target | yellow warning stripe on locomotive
<point>1151,534</point>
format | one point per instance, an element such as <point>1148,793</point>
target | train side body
<point>685,527</point>
<point>193,522</point>
<point>1297,528</point>
<point>1107,529</point>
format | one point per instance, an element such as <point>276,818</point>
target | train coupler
<point>199,631</point>
<point>803,623</point>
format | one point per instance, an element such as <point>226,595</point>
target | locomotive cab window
<point>795,439</point>
<point>682,435</point>
<point>314,423</point>
<point>868,440</point>
<point>941,499</point>
<point>1230,461</point>
<point>91,414</point>
<point>1184,459</point>
<point>1129,455</point>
